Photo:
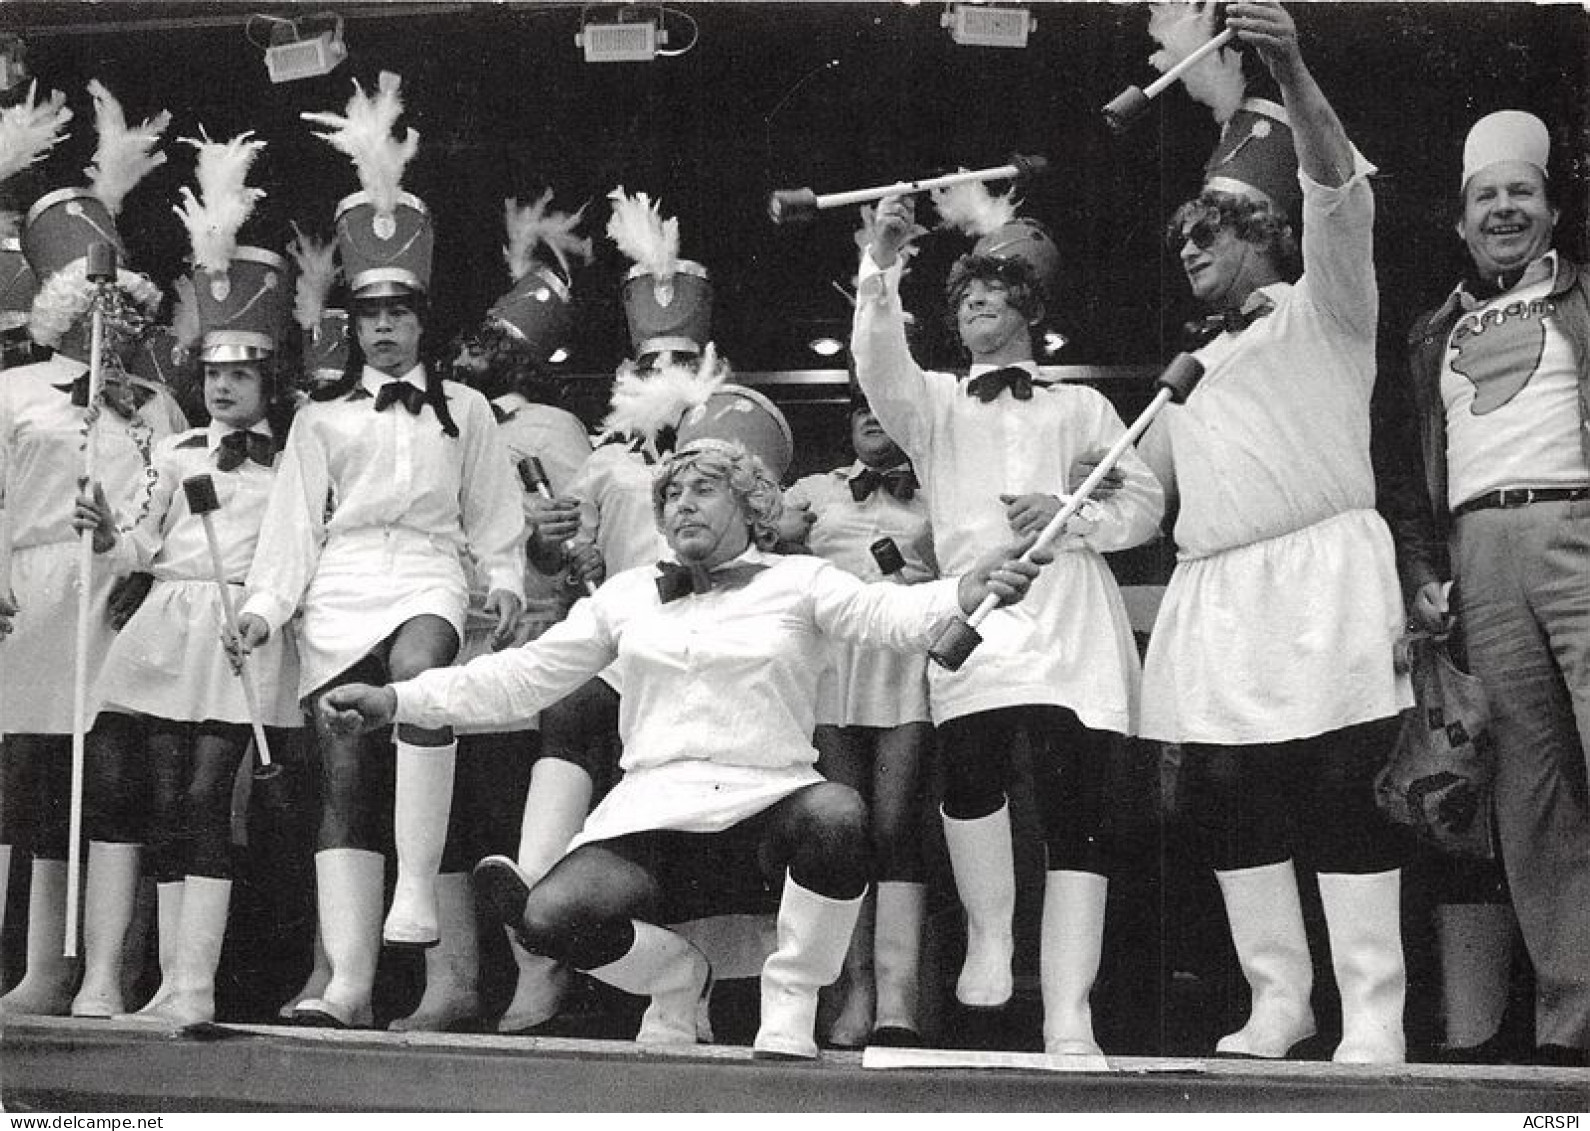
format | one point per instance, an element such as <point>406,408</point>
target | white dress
<point>720,688</point>
<point>167,661</point>
<point>369,518</point>
<point>1281,615</point>
<point>868,687</point>
<point>41,436</point>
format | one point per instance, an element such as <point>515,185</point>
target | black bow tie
<point>1230,321</point>
<point>989,385</point>
<point>900,482</point>
<point>123,397</point>
<point>400,392</point>
<point>241,445</point>
<point>502,415</point>
<point>676,580</point>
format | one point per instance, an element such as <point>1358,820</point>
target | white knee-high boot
<point>1474,942</point>
<point>315,984</point>
<point>109,891</point>
<point>168,904</point>
<point>452,968</point>
<point>853,1025</point>
<point>897,961</point>
<point>348,884</point>
<point>205,903</point>
<point>46,985</point>
<point>675,975</point>
<point>983,860</point>
<point>1068,959</point>
<point>1363,916</point>
<point>813,935</point>
<point>1266,917</point>
<point>423,799</point>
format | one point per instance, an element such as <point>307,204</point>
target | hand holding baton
<point>960,637</point>
<point>1126,107</point>
<point>202,502</point>
<point>799,206</point>
<point>101,271</point>
<point>534,478</point>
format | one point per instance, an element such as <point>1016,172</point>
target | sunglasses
<point>1202,232</point>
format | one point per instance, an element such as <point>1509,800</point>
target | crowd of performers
<point>696,689</point>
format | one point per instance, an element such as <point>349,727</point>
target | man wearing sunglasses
<point>1271,659</point>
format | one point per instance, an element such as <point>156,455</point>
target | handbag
<point>1438,780</point>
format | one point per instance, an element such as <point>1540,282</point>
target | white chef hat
<point>1507,135</point>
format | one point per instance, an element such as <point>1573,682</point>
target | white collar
<point>215,432</point>
<point>374,380</point>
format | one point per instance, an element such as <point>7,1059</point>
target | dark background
<point>832,96</point>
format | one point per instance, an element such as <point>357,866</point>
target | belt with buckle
<point>1510,497</point>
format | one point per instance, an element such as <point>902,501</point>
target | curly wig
<point>1017,276</point>
<point>1252,221</point>
<point>727,461</point>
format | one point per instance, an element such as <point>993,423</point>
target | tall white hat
<point>1507,135</point>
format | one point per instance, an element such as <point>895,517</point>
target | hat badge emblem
<point>384,226</point>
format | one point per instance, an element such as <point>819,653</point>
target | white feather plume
<point>971,208</point>
<point>638,229</point>
<point>30,129</point>
<point>364,133</point>
<point>1215,80</point>
<point>185,313</point>
<point>531,225</point>
<point>645,402</point>
<point>126,154</point>
<point>317,274</point>
<point>224,201</point>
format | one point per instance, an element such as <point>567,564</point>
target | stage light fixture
<point>1053,342</point>
<point>558,356</point>
<point>304,48</point>
<point>633,40</point>
<point>826,346</point>
<point>988,25</point>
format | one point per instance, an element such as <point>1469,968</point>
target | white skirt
<point>690,796</point>
<point>1286,638</point>
<point>872,687</point>
<point>38,659</point>
<point>168,662</point>
<point>367,584</point>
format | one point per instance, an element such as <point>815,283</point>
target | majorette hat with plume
<point>734,412</point>
<point>384,234</point>
<point>325,328</point>
<point>648,405</point>
<point>536,310</point>
<point>241,292</point>
<point>28,130</point>
<point>1001,233</point>
<point>1254,157</point>
<point>63,225</point>
<point>667,300</point>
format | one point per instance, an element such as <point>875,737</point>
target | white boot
<point>813,935</point>
<point>109,891</point>
<point>897,962</point>
<point>538,992</point>
<point>168,900</point>
<point>46,985</point>
<point>675,975</point>
<point>205,902</point>
<point>424,796</point>
<point>452,969</point>
<point>1068,960</point>
<point>1266,918</point>
<point>348,885</point>
<point>315,984</point>
<point>984,863</point>
<point>852,1028</point>
<point>1364,916</point>
<point>1474,942</point>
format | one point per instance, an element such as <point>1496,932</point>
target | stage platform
<point>62,1065</point>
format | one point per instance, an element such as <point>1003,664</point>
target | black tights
<point>1312,798</point>
<point>193,768</point>
<point>36,787</point>
<point>1071,769</point>
<point>580,913</point>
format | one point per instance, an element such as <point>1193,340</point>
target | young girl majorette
<point>45,421</point>
<point>873,725</point>
<point>168,664</point>
<point>389,477</point>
